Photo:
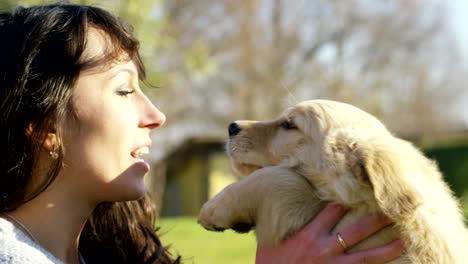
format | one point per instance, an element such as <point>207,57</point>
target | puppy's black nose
<point>233,129</point>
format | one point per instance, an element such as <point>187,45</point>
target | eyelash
<point>125,92</point>
<point>288,125</point>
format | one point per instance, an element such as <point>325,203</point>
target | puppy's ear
<point>377,162</point>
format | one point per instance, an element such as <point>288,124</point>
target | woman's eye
<point>288,125</point>
<point>125,92</point>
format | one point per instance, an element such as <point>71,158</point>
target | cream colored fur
<point>327,151</point>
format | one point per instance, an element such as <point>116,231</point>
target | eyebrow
<point>127,70</point>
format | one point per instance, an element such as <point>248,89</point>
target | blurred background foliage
<point>453,162</point>
<point>223,60</point>
<point>396,59</point>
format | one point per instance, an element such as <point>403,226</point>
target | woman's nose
<point>158,120</point>
<point>153,117</point>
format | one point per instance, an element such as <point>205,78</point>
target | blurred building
<point>193,172</point>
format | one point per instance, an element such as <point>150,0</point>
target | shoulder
<point>16,247</point>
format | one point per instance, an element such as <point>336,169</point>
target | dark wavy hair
<point>41,58</point>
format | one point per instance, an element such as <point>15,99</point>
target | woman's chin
<point>134,191</point>
<point>127,188</point>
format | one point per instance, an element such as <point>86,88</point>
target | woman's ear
<point>29,130</point>
<point>378,162</point>
<point>49,141</point>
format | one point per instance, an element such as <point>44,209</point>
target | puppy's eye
<point>288,125</point>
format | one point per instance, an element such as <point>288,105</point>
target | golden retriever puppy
<point>324,151</point>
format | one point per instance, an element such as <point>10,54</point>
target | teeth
<point>141,151</point>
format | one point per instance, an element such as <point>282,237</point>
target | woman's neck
<point>55,218</point>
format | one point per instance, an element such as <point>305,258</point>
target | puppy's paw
<point>220,213</point>
<point>242,227</point>
<point>215,216</point>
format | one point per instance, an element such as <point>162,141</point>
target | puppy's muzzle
<point>233,129</point>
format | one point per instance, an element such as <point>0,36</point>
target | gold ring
<point>341,240</point>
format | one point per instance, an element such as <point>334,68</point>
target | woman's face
<point>114,119</point>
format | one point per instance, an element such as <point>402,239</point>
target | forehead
<point>106,57</point>
<point>334,115</point>
<point>97,42</point>
<point>299,111</point>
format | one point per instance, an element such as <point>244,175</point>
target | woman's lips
<point>139,152</point>
<point>136,155</point>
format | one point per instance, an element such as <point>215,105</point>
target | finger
<point>376,255</point>
<point>363,228</point>
<point>265,254</point>
<point>326,219</point>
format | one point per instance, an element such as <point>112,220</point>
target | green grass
<point>196,245</point>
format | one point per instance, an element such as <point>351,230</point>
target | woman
<point>75,125</point>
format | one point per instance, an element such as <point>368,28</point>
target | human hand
<point>315,244</point>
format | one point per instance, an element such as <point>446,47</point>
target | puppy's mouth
<point>245,169</point>
<point>244,161</point>
<point>242,167</point>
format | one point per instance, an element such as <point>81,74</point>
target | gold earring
<point>54,155</point>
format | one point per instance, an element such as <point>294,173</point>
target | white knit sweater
<point>18,248</point>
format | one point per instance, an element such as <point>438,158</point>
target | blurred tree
<point>218,61</point>
<point>141,14</point>
<point>395,59</point>
<point>7,4</point>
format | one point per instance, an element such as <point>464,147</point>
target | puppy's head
<point>297,137</point>
<point>340,149</point>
